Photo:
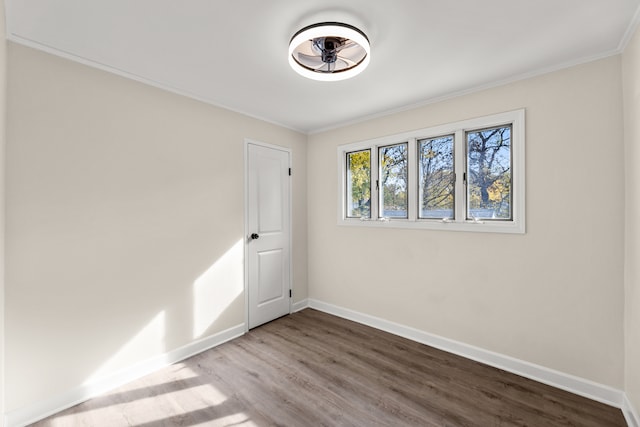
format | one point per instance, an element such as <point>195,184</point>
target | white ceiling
<point>234,53</point>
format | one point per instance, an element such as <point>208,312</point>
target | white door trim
<point>247,142</point>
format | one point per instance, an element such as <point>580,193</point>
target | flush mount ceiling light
<point>329,51</point>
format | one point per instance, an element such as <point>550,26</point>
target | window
<point>465,176</point>
<point>489,173</point>
<point>393,180</point>
<point>359,184</point>
<point>436,177</point>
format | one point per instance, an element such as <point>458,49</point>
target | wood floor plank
<point>314,369</point>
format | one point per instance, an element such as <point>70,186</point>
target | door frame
<point>248,142</point>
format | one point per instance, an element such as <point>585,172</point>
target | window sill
<point>482,226</point>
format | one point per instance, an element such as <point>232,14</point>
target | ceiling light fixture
<point>329,51</point>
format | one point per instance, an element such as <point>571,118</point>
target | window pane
<point>359,184</point>
<point>393,181</point>
<point>489,173</point>
<point>436,177</point>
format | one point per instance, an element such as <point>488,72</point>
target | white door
<point>268,228</point>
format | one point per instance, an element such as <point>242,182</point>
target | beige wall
<point>120,196</point>
<point>553,296</point>
<point>3,82</point>
<point>631,85</point>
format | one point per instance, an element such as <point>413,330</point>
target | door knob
<point>254,236</point>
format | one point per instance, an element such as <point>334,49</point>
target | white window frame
<point>516,225</point>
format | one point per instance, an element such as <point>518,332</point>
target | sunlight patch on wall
<point>148,342</point>
<point>217,288</point>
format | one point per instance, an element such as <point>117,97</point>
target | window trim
<point>515,118</point>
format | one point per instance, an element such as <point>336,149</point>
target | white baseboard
<point>300,305</point>
<point>33,413</point>
<point>630,414</point>
<point>573,384</point>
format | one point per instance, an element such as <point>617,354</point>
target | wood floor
<point>314,369</point>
